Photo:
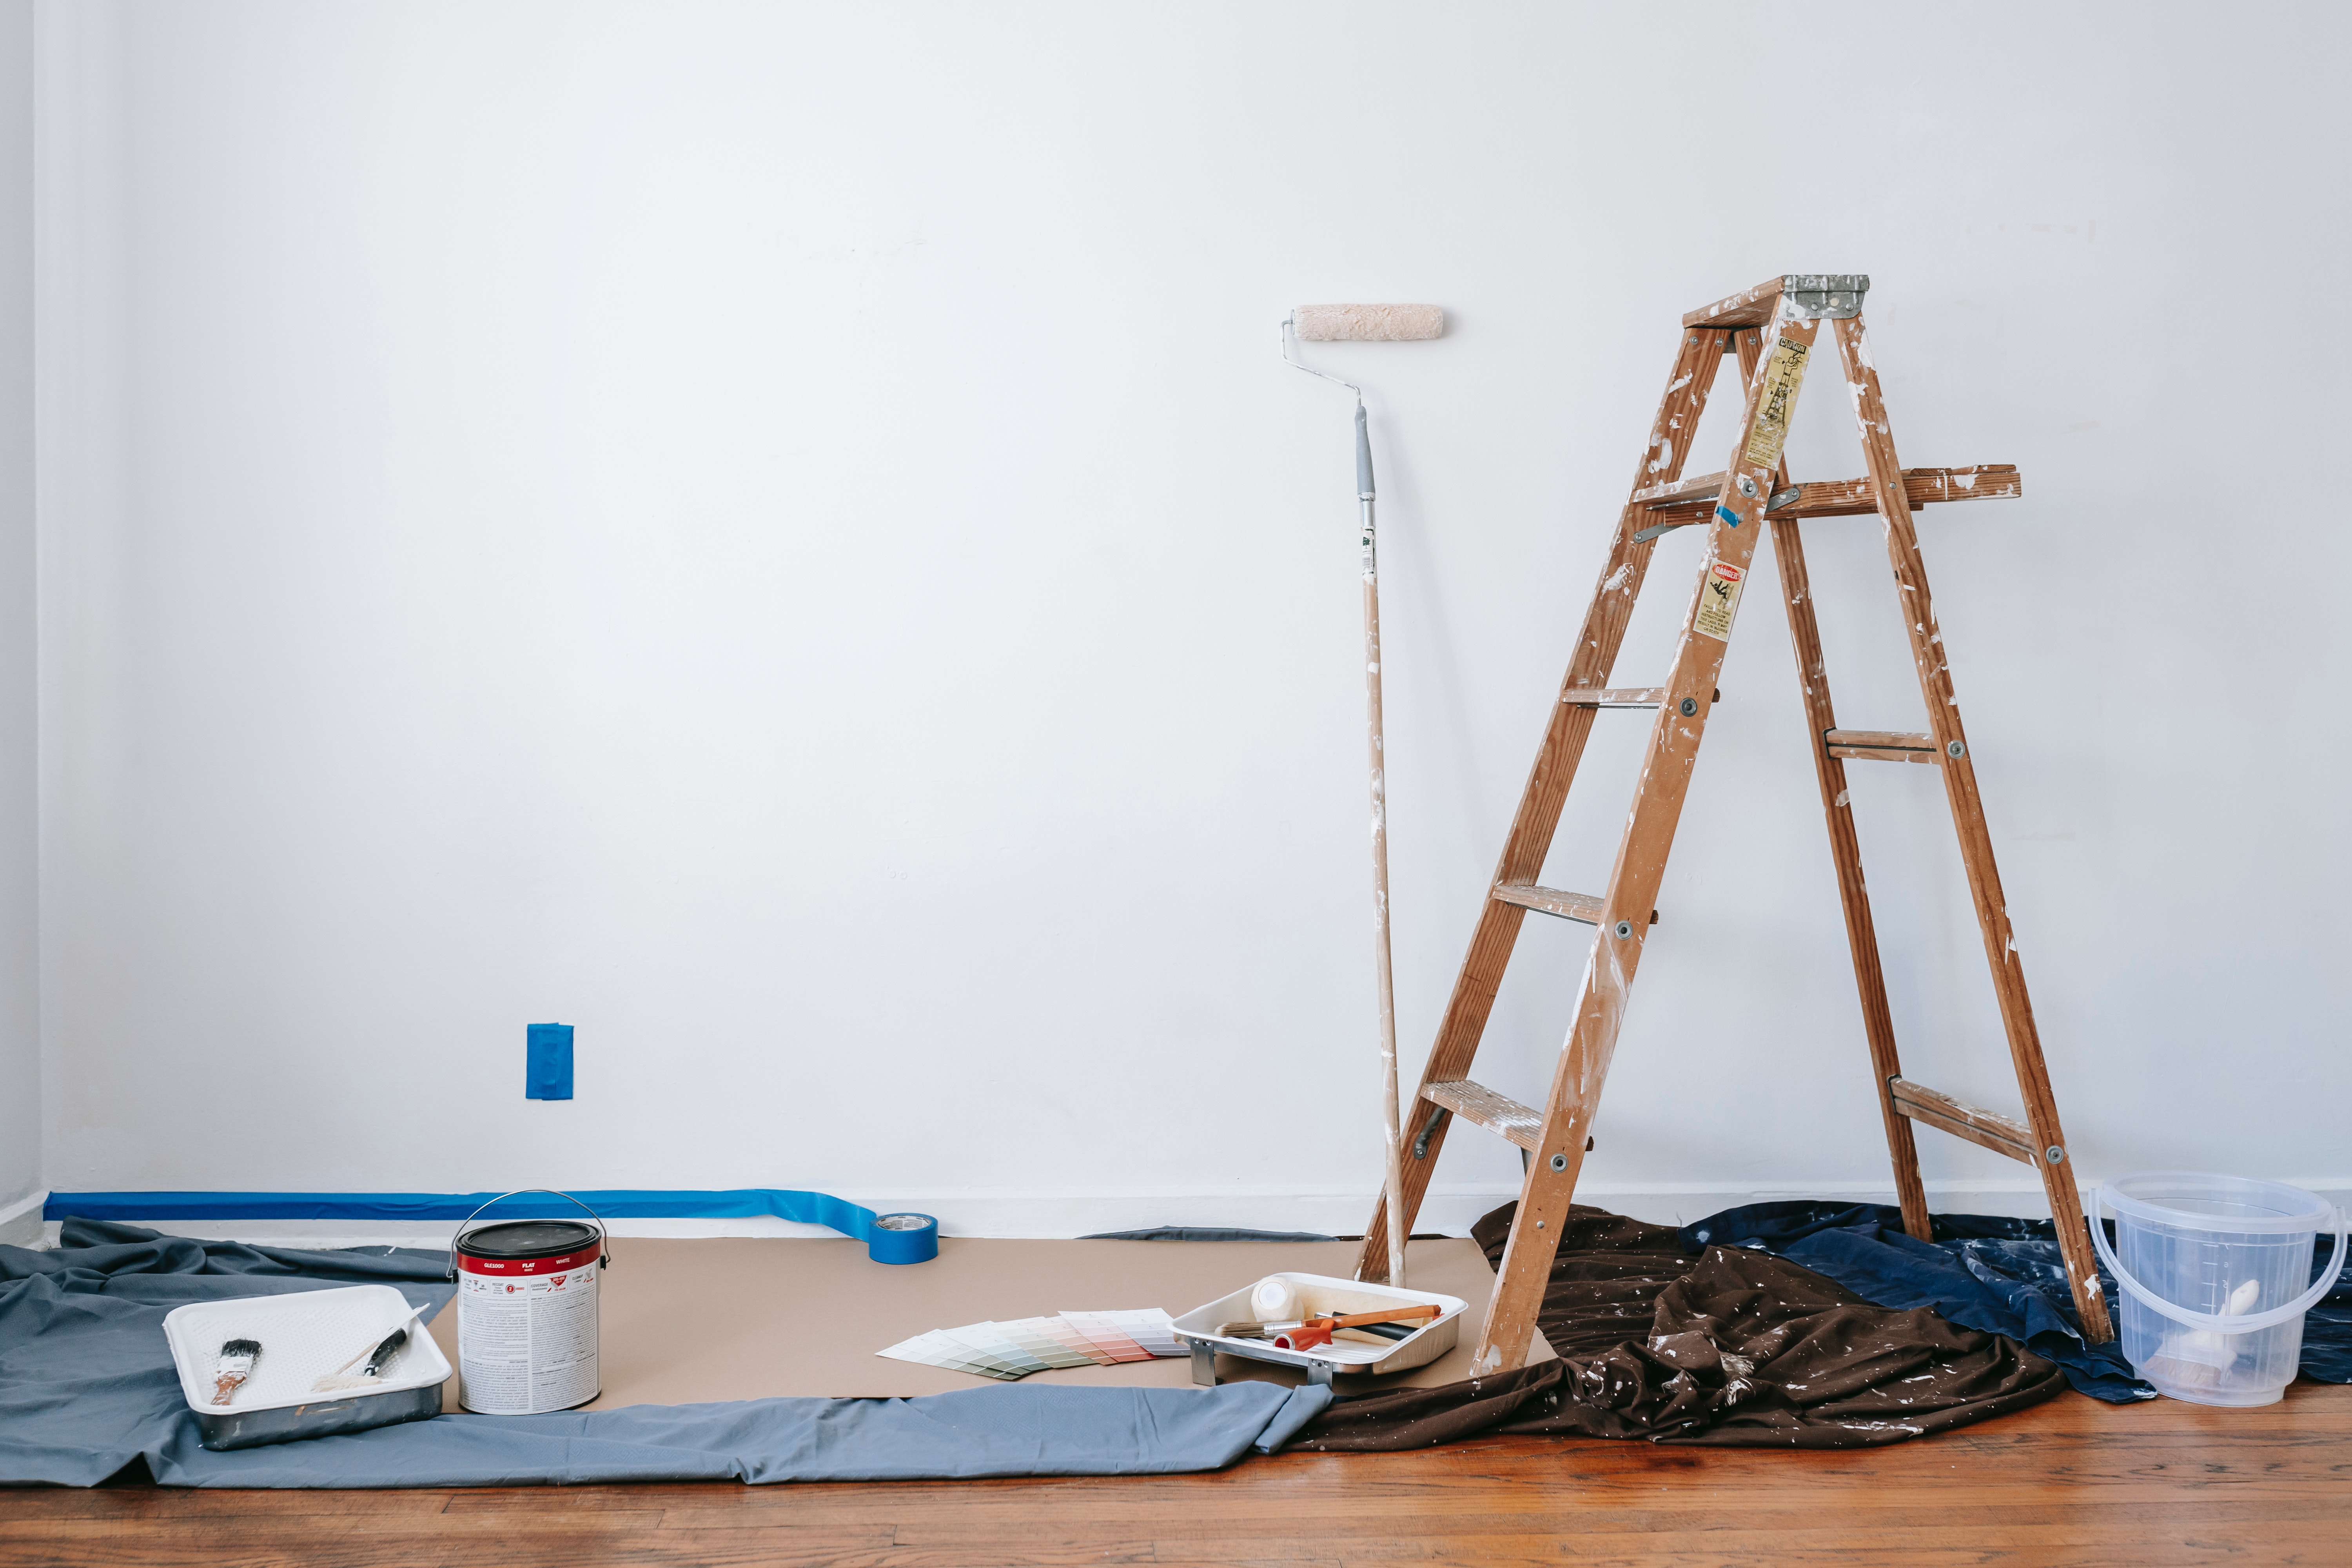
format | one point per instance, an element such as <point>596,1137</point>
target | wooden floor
<point>2070,1482</point>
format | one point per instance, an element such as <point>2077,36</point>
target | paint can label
<point>1719,600</point>
<point>527,1334</point>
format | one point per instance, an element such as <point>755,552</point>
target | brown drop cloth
<point>1732,1347</point>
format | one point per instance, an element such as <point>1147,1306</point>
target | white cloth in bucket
<point>2213,1270</point>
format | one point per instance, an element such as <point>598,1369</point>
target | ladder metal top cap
<point>1811,296</point>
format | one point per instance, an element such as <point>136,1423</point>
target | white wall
<point>779,536</point>
<point>20,1038</point>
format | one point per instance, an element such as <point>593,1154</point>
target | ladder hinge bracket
<point>1421,1144</point>
<point>1824,296</point>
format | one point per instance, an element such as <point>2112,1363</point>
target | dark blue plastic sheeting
<point>87,1390</point>
<point>1990,1272</point>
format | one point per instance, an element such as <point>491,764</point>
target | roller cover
<point>1368,324</point>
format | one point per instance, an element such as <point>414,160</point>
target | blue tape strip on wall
<point>547,1061</point>
<point>888,1237</point>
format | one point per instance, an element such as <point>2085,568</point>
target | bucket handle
<point>603,1242</point>
<point>2252,1322</point>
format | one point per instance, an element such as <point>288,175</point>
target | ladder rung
<point>1693,500</point>
<point>1704,488</point>
<point>1990,1129</point>
<point>1497,1113</point>
<point>1584,907</point>
<point>1616,696</point>
<point>1921,487</point>
<point>1881,745</point>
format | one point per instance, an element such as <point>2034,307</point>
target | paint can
<point>527,1311</point>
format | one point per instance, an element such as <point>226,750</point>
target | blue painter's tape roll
<point>902,1239</point>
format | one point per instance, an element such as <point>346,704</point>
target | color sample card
<point>1124,1333</point>
<point>1108,1341</point>
<point>984,1341</point>
<point>1032,1336</point>
<point>1152,1329</point>
<point>936,1349</point>
<point>1014,1350</point>
<point>1076,1343</point>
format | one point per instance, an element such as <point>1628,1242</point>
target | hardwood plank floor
<point>2070,1482</point>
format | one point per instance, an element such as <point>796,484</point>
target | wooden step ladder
<point>1772,328</point>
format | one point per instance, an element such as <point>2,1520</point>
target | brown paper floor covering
<point>686,1321</point>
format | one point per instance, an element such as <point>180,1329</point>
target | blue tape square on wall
<point>547,1073</point>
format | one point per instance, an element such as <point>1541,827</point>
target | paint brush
<point>236,1359</point>
<point>378,1356</point>
<point>383,1352</point>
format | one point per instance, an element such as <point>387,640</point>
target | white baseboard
<point>1448,1210</point>
<point>20,1222</point>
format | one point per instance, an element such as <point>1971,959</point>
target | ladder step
<point>1921,488</point>
<point>1693,500</point>
<point>1584,907</point>
<point>1615,696</point>
<point>1701,492</point>
<point>1881,745</point>
<point>1989,1129</point>
<point>1497,1113</point>
<point>1657,498</point>
<point>1831,294</point>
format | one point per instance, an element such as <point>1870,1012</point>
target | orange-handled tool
<point>1314,1332</point>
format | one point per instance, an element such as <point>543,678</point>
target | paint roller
<point>1375,324</point>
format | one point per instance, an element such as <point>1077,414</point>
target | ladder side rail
<point>1696,362</point>
<point>1551,1183</point>
<point>1845,848</point>
<point>1886,474</point>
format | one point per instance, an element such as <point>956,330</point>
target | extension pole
<point>1391,1129</point>
<point>1391,324</point>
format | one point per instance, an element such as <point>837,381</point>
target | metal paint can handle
<point>604,1241</point>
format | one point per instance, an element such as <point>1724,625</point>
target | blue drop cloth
<point>87,1389</point>
<point>1988,1272</point>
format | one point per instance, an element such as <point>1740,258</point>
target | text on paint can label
<point>527,1341</point>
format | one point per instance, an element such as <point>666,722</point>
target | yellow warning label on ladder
<point>1783,372</point>
<point>1720,602</point>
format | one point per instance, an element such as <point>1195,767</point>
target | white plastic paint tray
<point>304,1335</point>
<point>1319,1293</point>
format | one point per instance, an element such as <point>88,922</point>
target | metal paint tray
<point>304,1334</point>
<point>1321,1293</point>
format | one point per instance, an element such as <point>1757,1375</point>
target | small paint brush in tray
<point>232,1367</point>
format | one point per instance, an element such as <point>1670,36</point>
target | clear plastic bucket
<point>2213,1270</point>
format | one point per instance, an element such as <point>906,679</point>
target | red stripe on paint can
<point>469,1264</point>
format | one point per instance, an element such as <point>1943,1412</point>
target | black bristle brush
<point>384,1352</point>
<point>236,1359</point>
